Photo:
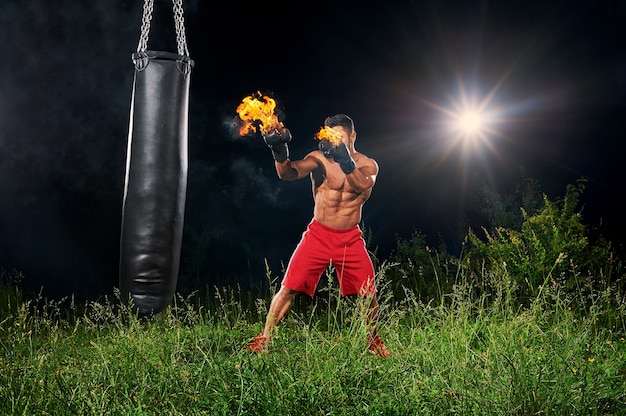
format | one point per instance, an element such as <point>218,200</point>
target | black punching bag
<point>156,179</point>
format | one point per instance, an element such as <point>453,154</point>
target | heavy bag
<point>156,180</point>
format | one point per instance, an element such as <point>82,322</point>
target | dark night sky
<point>556,72</point>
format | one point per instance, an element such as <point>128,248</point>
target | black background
<point>557,71</point>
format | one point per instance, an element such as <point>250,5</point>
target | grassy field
<point>459,355</point>
<point>529,320</point>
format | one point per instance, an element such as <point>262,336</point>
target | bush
<point>551,246</point>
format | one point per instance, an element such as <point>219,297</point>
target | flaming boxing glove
<point>277,142</point>
<point>340,154</point>
<point>326,147</point>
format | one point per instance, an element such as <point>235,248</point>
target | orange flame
<point>331,135</point>
<point>258,110</point>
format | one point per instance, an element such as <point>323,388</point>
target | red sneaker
<point>375,346</point>
<point>259,343</point>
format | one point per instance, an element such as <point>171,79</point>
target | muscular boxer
<point>342,180</point>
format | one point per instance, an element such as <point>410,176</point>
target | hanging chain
<point>179,21</point>
<point>148,7</point>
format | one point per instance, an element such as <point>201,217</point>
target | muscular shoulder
<point>316,155</point>
<point>363,161</point>
<point>308,164</point>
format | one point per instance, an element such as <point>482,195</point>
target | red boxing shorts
<point>321,246</point>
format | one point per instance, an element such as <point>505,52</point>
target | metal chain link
<point>148,7</point>
<point>179,21</point>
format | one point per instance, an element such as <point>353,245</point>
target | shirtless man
<point>342,180</point>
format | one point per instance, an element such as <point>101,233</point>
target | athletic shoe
<point>375,346</point>
<point>259,343</point>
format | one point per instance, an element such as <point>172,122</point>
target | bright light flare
<point>470,122</point>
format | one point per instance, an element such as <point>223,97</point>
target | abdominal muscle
<point>337,204</point>
<point>338,208</point>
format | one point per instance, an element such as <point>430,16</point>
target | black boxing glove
<point>342,156</point>
<point>277,141</point>
<point>326,147</point>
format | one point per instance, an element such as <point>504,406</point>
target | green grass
<point>459,355</point>
<point>528,320</point>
